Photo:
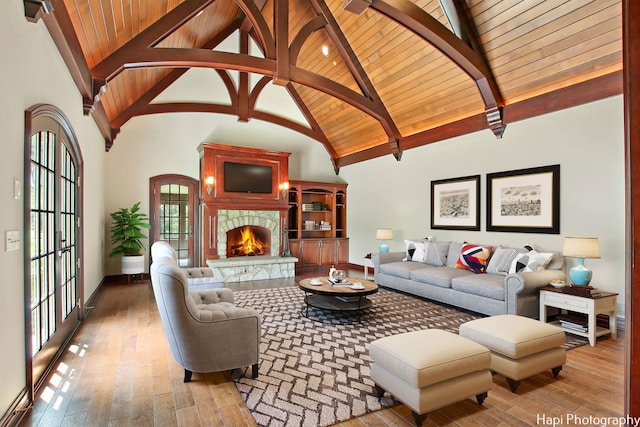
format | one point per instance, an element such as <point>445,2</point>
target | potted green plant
<point>126,234</point>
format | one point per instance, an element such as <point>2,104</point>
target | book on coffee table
<point>343,283</point>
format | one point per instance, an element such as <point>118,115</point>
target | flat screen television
<point>246,178</point>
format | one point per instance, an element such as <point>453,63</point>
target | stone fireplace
<point>233,227</point>
<point>233,222</point>
<point>242,216</point>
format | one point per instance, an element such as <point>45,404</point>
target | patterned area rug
<point>315,371</point>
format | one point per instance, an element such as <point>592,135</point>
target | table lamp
<point>581,248</point>
<point>384,234</point>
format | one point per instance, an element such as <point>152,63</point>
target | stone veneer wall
<point>229,219</point>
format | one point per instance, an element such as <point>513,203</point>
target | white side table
<point>603,304</point>
<point>368,262</point>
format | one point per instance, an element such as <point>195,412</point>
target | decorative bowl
<point>339,275</point>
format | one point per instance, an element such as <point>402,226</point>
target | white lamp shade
<point>384,234</point>
<point>581,247</point>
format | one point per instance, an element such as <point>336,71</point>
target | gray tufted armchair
<point>205,330</point>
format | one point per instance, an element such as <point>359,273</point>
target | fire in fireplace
<point>248,240</point>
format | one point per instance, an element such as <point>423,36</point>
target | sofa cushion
<point>530,261</point>
<point>474,258</point>
<point>502,258</point>
<point>438,276</point>
<point>415,250</point>
<point>454,253</point>
<point>401,269</point>
<point>436,253</point>
<point>484,285</point>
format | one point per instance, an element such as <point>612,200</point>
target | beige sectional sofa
<point>494,291</point>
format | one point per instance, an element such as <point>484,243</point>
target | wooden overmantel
<point>214,196</point>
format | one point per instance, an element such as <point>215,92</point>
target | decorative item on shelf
<point>581,248</point>
<point>284,189</point>
<point>384,234</point>
<point>209,181</point>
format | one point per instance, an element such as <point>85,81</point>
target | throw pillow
<point>502,259</point>
<point>474,258</point>
<point>415,250</point>
<point>530,261</point>
<point>436,253</point>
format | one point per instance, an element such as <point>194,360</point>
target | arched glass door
<point>53,282</point>
<point>173,219</point>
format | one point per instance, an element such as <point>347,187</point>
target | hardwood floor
<point>118,371</point>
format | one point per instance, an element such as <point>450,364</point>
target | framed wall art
<point>455,203</point>
<point>524,201</point>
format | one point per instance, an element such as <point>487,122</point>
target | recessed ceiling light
<point>325,50</point>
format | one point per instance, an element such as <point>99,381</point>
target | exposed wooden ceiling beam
<point>281,22</point>
<point>460,18</point>
<point>161,29</point>
<point>61,29</point>
<point>424,25</point>
<point>186,58</point>
<point>578,94</point>
<point>262,33</point>
<point>169,79</point>
<point>357,71</point>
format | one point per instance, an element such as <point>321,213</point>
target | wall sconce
<point>284,188</point>
<point>209,181</point>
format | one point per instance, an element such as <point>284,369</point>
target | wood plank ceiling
<point>371,77</point>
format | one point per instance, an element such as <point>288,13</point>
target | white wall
<point>588,143</point>
<point>32,73</point>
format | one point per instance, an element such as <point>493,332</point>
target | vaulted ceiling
<point>370,77</point>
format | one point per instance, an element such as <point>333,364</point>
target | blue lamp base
<point>580,275</point>
<point>384,247</point>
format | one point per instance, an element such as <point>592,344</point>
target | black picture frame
<point>455,203</point>
<point>524,200</point>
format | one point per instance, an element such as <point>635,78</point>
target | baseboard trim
<point>17,410</point>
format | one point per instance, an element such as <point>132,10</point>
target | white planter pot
<point>132,264</point>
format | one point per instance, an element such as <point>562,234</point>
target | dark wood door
<point>173,215</point>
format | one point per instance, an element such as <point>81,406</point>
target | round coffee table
<point>337,297</point>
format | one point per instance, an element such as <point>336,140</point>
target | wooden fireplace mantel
<point>214,195</point>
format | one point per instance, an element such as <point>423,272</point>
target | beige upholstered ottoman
<point>520,346</point>
<point>430,369</point>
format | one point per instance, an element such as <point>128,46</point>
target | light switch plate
<point>17,189</point>
<point>13,240</point>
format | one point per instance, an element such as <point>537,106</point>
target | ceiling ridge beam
<point>357,71</point>
<point>154,34</point>
<point>431,30</point>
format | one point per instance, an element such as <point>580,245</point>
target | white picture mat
<point>542,180</point>
<point>444,190</point>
